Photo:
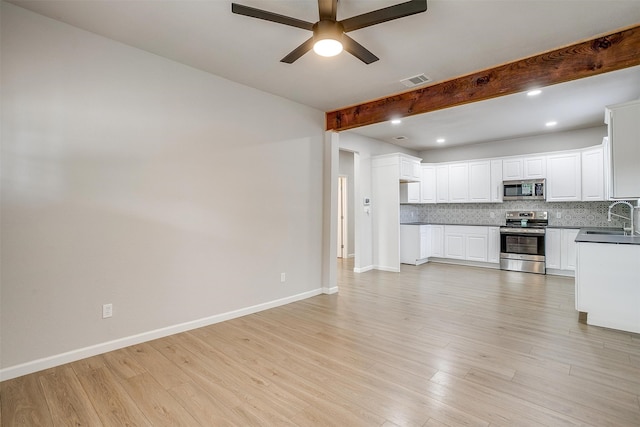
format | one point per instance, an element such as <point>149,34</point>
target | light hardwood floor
<point>434,345</point>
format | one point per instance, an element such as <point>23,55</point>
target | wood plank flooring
<point>434,345</point>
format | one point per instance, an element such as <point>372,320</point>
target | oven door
<point>522,251</point>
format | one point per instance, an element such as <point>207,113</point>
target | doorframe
<point>343,218</point>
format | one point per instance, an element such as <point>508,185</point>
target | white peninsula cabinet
<point>607,285</point>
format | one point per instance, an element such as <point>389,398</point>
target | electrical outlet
<point>283,277</point>
<point>107,310</point>
<point>558,215</point>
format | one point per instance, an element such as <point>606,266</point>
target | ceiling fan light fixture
<point>327,38</point>
<point>327,47</point>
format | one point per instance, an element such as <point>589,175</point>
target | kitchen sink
<point>606,232</point>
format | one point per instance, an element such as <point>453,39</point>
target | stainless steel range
<point>522,241</point>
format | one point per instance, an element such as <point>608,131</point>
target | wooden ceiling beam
<point>599,55</point>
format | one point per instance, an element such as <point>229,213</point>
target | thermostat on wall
<point>367,201</point>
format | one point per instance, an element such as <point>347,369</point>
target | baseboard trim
<point>331,290</point>
<point>391,269</point>
<point>362,269</point>
<point>82,353</point>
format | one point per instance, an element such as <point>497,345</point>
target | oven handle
<point>523,232</point>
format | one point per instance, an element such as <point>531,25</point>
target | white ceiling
<point>453,38</point>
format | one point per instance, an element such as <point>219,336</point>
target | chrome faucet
<point>630,230</point>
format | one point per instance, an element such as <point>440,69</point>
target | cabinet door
<point>428,184</point>
<point>459,183</point>
<point>480,181</point>
<point>496,181</point>
<point>593,174</point>
<point>624,134</point>
<point>512,169</point>
<point>410,169</point>
<point>442,183</point>
<point>534,167</point>
<point>425,241</point>
<point>409,243</point>
<point>568,245</point>
<point>476,247</point>
<point>564,177</point>
<point>493,254</point>
<point>454,243</point>
<point>437,241</point>
<point>552,244</point>
<point>409,192</point>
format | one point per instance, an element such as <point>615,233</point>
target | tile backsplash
<point>565,214</point>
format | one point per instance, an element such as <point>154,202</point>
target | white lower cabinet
<point>468,243</point>
<point>437,241</point>
<point>552,248</point>
<point>568,247</point>
<point>418,243</point>
<point>493,245</point>
<point>415,244</point>
<point>560,249</point>
<point>454,242</point>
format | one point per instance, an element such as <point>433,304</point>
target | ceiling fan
<point>329,34</point>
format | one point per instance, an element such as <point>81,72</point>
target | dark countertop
<point>590,235</point>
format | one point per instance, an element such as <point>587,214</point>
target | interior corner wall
<point>130,179</point>
<point>366,148</point>
<point>548,142</point>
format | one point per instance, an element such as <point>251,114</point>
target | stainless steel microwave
<point>528,189</point>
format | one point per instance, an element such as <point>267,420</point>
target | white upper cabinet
<point>593,174</point>
<point>564,177</point>
<point>410,169</point>
<point>624,142</point>
<point>459,182</point>
<point>496,181</point>
<point>512,169</point>
<point>409,192</point>
<point>529,167</point>
<point>480,182</point>
<point>428,184</point>
<point>535,167</point>
<point>442,183</point>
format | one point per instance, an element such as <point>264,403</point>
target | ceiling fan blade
<point>298,52</point>
<point>270,16</point>
<point>357,50</point>
<point>383,15</point>
<point>328,9</point>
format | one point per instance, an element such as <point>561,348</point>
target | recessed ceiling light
<point>440,140</point>
<point>396,121</point>
<point>534,92</point>
<point>550,124</point>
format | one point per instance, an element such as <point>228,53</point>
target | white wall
<point>365,149</point>
<point>130,179</point>
<point>556,141</point>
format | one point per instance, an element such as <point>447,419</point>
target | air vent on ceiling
<point>415,80</point>
<point>400,138</point>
